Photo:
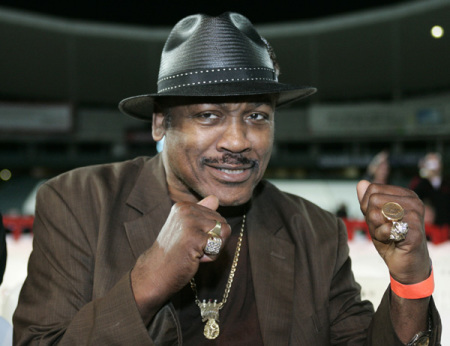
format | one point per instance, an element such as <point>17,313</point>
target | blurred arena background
<point>381,68</point>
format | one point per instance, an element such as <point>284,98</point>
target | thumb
<point>211,202</point>
<point>361,189</point>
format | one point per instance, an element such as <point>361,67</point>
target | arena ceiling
<point>168,12</point>
<point>382,52</point>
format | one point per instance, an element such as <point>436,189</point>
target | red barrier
<point>434,233</point>
<point>355,226</point>
<point>437,234</point>
<point>18,224</point>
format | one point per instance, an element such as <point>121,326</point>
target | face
<point>216,146</point>
<point>431,166</point>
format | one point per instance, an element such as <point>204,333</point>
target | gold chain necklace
<point>210,310</point>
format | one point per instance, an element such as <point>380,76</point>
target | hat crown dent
<point>200,42</point>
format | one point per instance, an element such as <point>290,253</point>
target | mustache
<point>230,158</point>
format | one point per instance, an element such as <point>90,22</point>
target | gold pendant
<point>212,329</point>
<point>210,315</point>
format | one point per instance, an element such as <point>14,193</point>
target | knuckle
<point>183,208</point>
<point>372,214</point>
<point>376,199</point>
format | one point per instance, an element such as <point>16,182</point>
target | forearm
<point>409,306</point>
<point>409,316</point>
<point>146,294</point>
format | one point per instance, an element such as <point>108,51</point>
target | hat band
<point>216,75</point>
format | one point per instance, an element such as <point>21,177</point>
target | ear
<point>158,128</point>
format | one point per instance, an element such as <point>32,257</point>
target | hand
<point>408,260</point>
<point>174,258</point>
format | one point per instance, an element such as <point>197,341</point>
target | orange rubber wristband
<point>415,291</point>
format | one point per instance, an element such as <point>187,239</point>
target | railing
<point>18,224</point>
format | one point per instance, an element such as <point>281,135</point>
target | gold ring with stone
<point>394,212</point>
<point>213,244</point>
<point>216,229</point>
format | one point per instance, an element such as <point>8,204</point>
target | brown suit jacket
<point>92,224</point>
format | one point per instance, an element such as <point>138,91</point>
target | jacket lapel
<point>272,262</point>
<point>151,199</point>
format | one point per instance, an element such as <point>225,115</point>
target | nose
<point>234,137</point>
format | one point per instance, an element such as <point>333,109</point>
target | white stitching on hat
<point>214,81</point>
<point>210,81</point>
<point>214,70</point>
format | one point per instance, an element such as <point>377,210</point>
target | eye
<point>207,117</point>
<point>258,117</point>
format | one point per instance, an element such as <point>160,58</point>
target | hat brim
<point>141,106</point>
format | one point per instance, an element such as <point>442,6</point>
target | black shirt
<point>238,318</point>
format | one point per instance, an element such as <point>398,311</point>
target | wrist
<point>419,290</point>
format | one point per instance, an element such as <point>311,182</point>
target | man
<point>5,326</point>
<point>193,247</point>
<point>379,168</point>
<point>433,188</point>
<point>3,249</point>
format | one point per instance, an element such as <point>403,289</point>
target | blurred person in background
<point>3,250</point>
<point>194,247</point>
<point>5,327</point>
<point>341,211</point>
<point>433,188</point>
<point>379,168</point>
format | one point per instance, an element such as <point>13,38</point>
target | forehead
<point>169,102</point>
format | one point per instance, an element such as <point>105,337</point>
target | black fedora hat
<point>215,56</point>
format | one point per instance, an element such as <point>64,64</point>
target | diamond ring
<point>399,230</point>
<point>213,244</point>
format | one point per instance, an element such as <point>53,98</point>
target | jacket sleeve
<point>56,305</point>
<point>381,331</point>
<point>350,315</point>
